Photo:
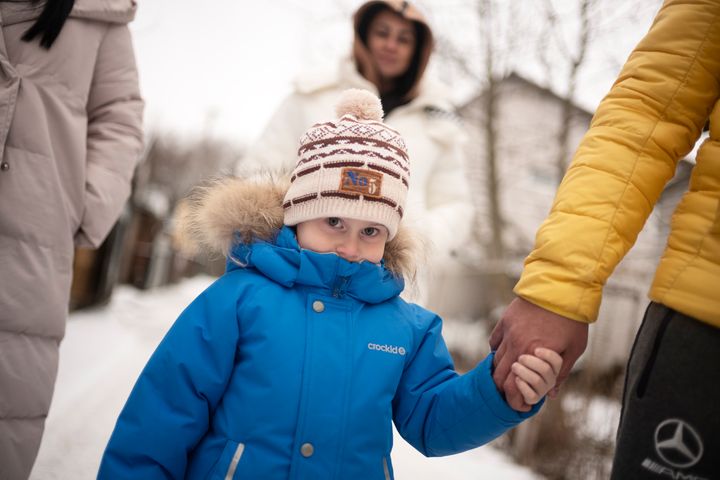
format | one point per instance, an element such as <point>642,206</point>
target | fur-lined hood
<point>216,216</point>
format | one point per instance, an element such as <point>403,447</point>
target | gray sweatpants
<point>670,420</point>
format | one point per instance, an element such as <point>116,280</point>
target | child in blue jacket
<point>295,362</point>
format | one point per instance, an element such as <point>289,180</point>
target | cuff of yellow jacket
<point>479,415</point>
<point>585,312</point>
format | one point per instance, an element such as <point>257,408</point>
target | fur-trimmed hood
<point>224,212</point>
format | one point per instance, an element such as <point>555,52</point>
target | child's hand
<point>536,374</point>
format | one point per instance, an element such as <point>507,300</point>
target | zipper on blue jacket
<point>340,287</point>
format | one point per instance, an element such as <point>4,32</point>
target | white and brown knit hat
<point>356,167</point>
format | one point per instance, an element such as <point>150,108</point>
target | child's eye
<point>370,231</point>
<point>333,221</point>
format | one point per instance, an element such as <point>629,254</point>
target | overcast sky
<point>220,67</point>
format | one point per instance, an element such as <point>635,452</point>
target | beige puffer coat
<point>70,137</point>
<point>668,90</point>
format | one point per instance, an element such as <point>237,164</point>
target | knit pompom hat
<point>356,167</point>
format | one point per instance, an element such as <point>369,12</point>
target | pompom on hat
<point>355,167</point>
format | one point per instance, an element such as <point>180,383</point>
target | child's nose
<point>349,249</point>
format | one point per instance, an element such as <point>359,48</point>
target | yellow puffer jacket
<point>653,115</point>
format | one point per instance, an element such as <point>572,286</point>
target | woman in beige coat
<point>70,136</point>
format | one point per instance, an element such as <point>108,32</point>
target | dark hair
<point>405,82</point>
<point>50,22</point>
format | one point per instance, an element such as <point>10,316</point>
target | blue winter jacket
<point>292,365</point>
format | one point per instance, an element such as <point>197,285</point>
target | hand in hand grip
<point>524,327</point>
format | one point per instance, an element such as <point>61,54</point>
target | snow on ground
<point>105,349</point>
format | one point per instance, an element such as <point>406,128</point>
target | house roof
<point>515,78</point>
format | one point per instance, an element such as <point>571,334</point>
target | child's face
<point>353,240</point>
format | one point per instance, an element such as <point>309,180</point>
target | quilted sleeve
<point>115,137</point>
<point>650,119</point>
<point>440,412</point>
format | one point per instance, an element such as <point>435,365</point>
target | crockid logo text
<point>358,180</point>
<point>387,348</point>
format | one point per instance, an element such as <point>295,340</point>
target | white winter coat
<point>439,202</point>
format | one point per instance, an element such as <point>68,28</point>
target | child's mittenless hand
<point>536,374</point>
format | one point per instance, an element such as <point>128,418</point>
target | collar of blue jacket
<point>284,262</point>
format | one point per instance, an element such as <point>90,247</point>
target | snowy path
<point>105,349</point>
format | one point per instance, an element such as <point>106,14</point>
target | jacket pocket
<point>387,469</point>
<point>648,368</point>
<point>226,466</point>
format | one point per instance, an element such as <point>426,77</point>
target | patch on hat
<point>360,180</point>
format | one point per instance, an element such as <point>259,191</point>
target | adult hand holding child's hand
<point>522,329</point>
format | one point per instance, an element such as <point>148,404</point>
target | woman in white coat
<point>391,48</point>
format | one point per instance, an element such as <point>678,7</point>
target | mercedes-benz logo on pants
<point>678,443</point>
